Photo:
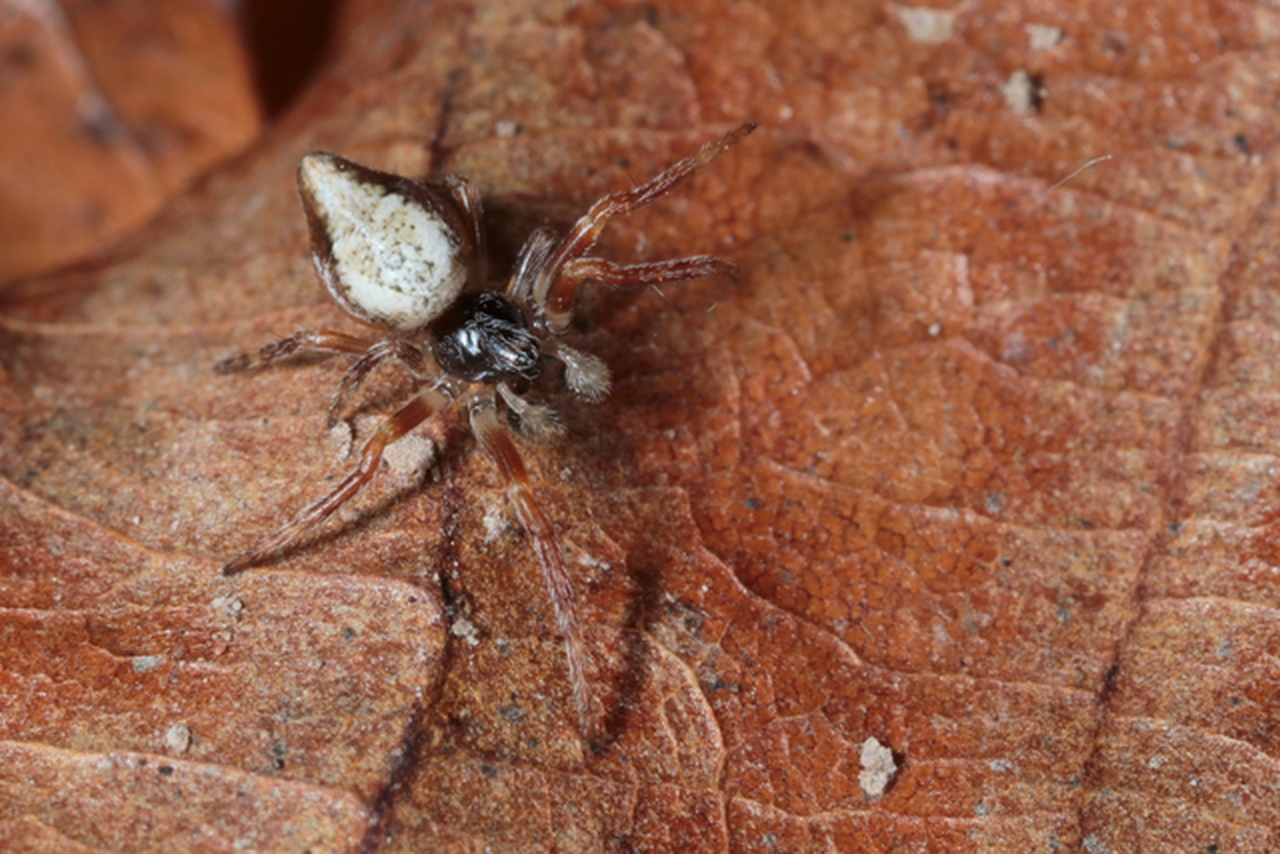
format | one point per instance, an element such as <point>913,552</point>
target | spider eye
<point>486,336</point>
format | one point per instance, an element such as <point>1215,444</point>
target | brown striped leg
<point>652,273</point>
<point>413,413</point>
<point>302,341</point>
<point>530,263</point>
<point>467,199</point>
<point>497,443</point>
<point>552,289</point>
<point>407,354</point>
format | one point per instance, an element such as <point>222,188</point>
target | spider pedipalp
<point>409,259</point>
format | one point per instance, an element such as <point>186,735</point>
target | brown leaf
<point>969,465</point>
<point>109,108</point>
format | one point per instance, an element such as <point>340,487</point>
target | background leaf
<point>109,108</point>
<point>968,463</point>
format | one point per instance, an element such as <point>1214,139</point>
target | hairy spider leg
<point>651,273</point>
<point>536,422</point>
<point>467,200</point>
<point>302,341</point>
<point>411,357</point>
<point>532,260</point>
<point>421,407</point>
<point>497,443</point>
<point>557,283</point>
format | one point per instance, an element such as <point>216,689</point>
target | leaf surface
<point>969,463</point>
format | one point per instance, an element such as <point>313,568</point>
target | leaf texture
<point>972,463</point>
<point>109,108</point>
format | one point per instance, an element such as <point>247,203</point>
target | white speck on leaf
<point>411,457</point>
<point>878,768</point>
<point>177,738</point>
<point>1044,36</point>
<point>927,26</point>
<point>465,630</point>
<point>232,606</point>
<point>1020,93</point>
<point>496,523</point>
<point>144,663</point>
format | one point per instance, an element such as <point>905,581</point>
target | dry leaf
<point>109,108</point>
<point>968,464</point>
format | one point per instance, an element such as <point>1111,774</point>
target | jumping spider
<point>408,258</point>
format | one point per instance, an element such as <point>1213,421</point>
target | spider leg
<point>533,259</point>
<point>302,341</point>
<point>413,413</point>
<point>407,354</point>
<point>534,422</point>
<point>552,289</point>
<point>580,270</point>
<point>498,445</point>
<point>467,199</point>
<point>585,375</point>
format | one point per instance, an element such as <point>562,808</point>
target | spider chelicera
<point>409,259</point>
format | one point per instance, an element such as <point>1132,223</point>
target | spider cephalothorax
<point>409,258</point>
<point>485,336</point>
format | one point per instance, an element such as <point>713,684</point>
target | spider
<point>408,258</point>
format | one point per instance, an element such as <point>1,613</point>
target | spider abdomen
<point>486,336</point>
<point>392,251</point>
